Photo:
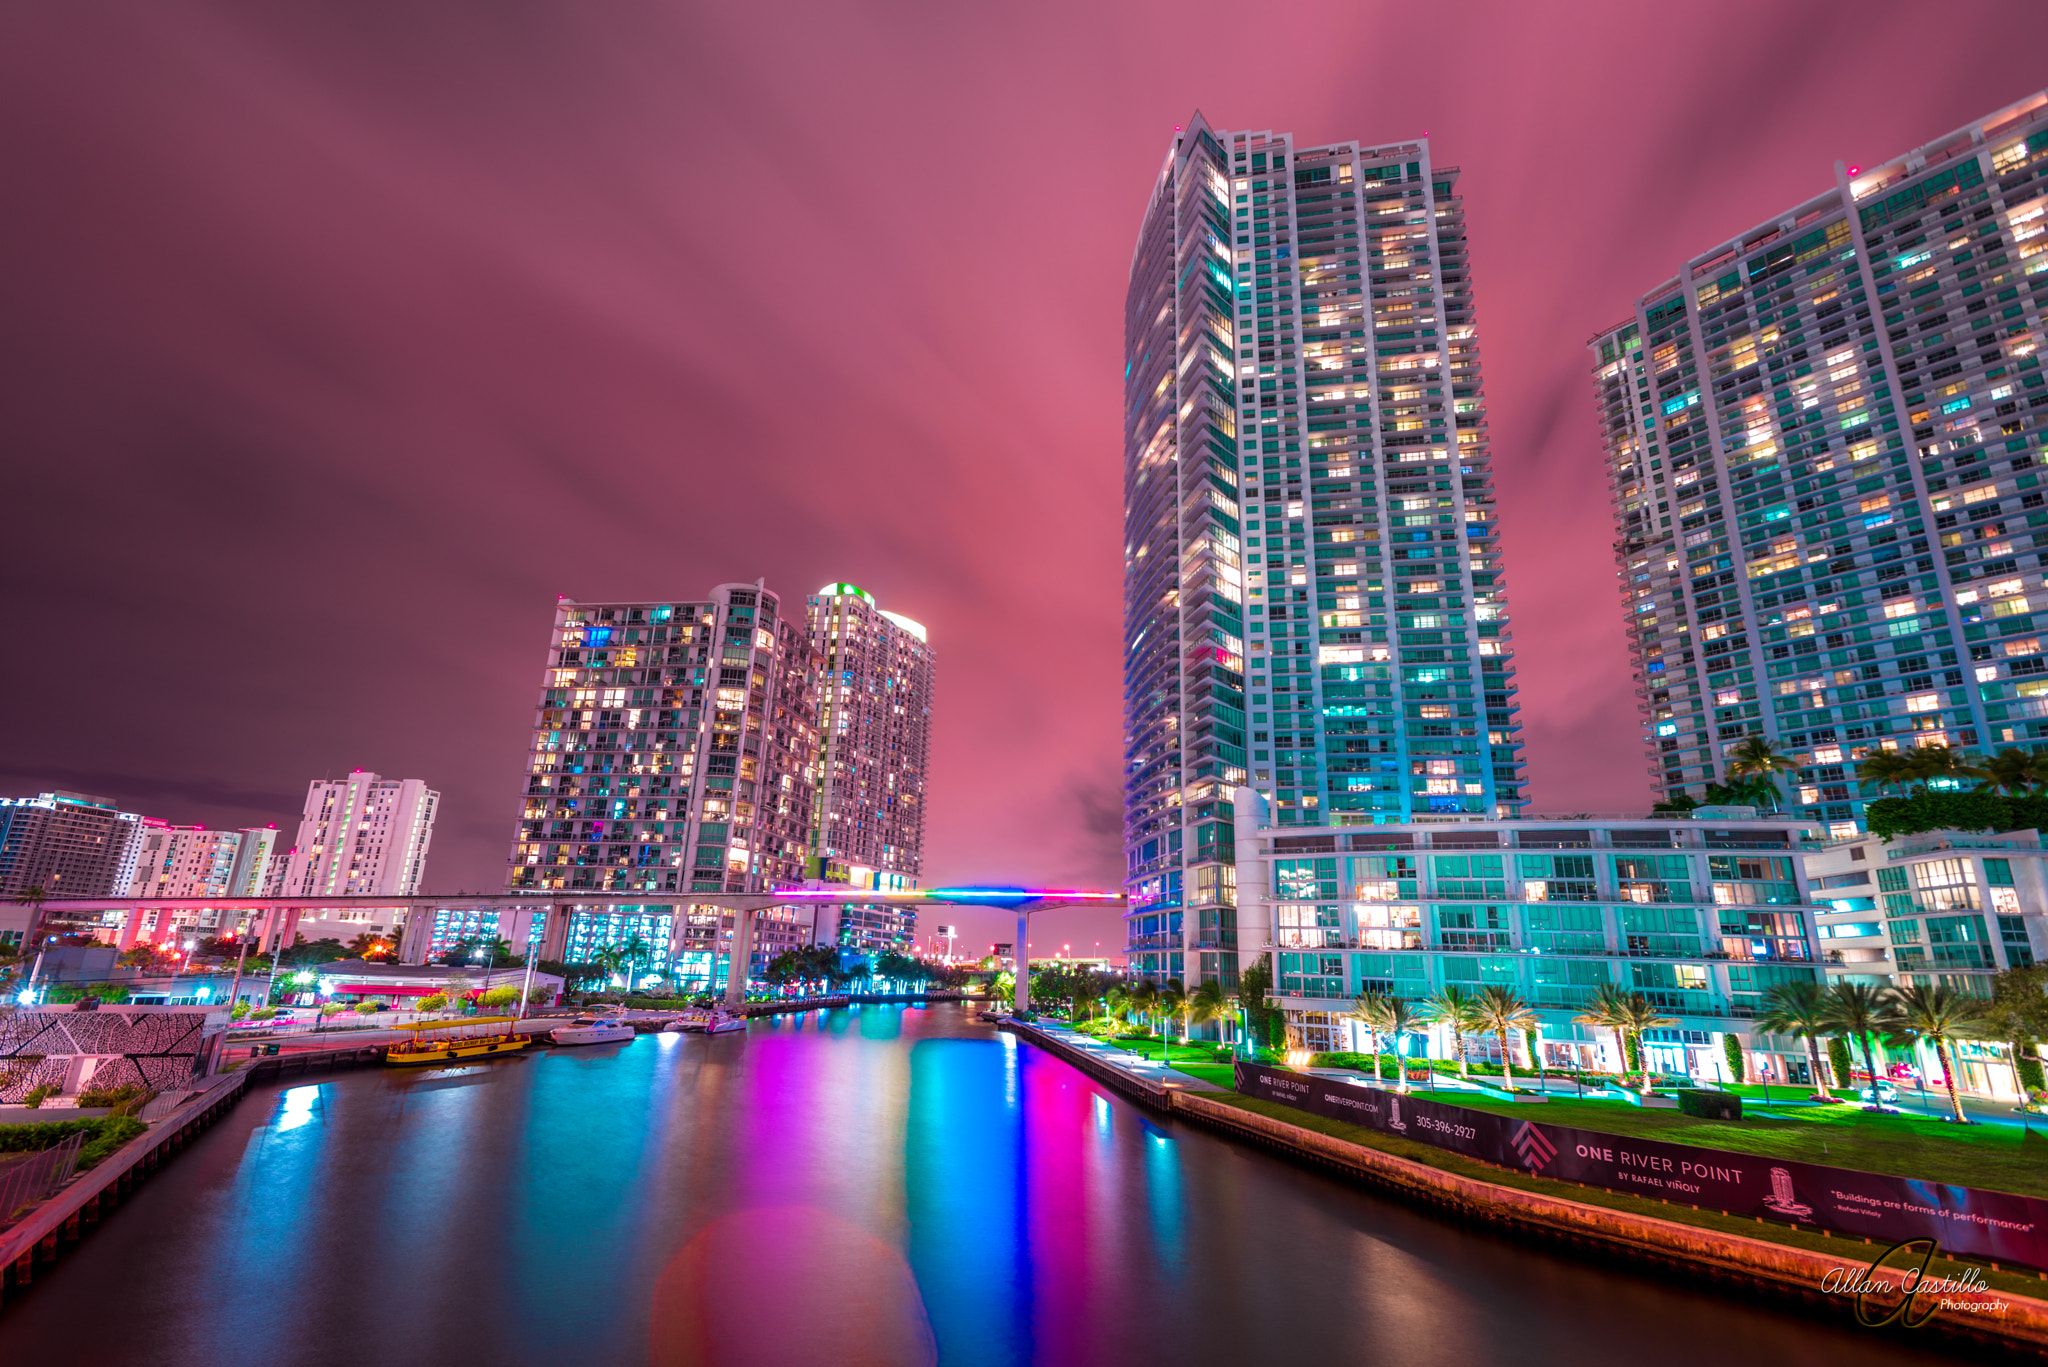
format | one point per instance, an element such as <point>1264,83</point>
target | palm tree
<point>1884,769</point>
<point>1116,1002</point>
<point>1753,767</point>
<point>1169,1002</point>
<point>1143,998</point>
<point>1858,1011</point>
<point>1452,1006</point>
<point>1498,1011</point>
<point>634,951</point>
<point>1929,762</point>
<point>609,959</point>
<point>1604,1011</point>
<point>1939,1015</point>
<point>2014,771</point>
<point>1637,1017</point>
<point>1799,1010</point>
<point>33,896</point>
<point>1367,1011</point>
<point>367,945</point>
<point>1393,1017</point>
<point>1209,1003</point>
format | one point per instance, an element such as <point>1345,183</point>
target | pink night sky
<point>339,339</point>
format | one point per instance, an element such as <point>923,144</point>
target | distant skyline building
<point>67,844</point>
<point>360,836</point>
<point>192,861</point>
<point>1824,442</point>
<point>674,751</point>
<point>874,728</point>
<point>1314,604</point>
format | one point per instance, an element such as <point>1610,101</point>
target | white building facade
<point>361,836</point>
<point>192,861</point>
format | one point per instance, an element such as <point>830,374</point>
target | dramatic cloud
<point>339,339</point>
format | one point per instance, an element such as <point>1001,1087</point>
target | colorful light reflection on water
<point>878,1185</point>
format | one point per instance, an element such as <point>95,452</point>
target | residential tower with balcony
<point>1824,440</point>
<point>1313,593</point>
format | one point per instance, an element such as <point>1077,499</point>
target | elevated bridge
<point>279,916</point>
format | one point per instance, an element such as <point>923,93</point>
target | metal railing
<point>25,1182</point>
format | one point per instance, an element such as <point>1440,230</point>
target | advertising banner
<point>1966,1220</point>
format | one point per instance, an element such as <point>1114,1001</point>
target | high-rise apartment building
<point>192,861</point>
<point>360,836</point>
<point>674,751</point>
<point>874,726</point>
<point>67,844</point>
<point>1313,600</point>
<point>1824,439</point>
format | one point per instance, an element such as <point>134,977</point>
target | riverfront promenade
<point>934,1192</point>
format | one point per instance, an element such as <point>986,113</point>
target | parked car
<point>1884,1095</point>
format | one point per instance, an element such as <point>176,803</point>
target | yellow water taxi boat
<point>456,1041</point>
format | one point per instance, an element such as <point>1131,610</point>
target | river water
<point>881,1185</point>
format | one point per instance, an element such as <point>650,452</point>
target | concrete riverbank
<point>1999,1320</point>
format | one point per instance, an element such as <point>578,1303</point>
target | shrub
<point>331,1009</point>
<point>499,996</point>
<point>108,1096</point>
<point>109,1134</point>
<point>240,1011</point>
<point>433,1003</point>
<point>1710,1105</point>
<point>368,1008</point>
<point>38,1095</point>
<point>1839,1059</point>
<point>1937,811</point>
<point>1731,1047</point>
<point>263,1013</point>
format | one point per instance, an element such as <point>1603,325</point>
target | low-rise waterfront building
<point>1703,916</point>
<point>350,980</point>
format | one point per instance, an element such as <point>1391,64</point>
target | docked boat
<point>593,1030</point>
<point>713,1020</point>
<point>475,1040</point>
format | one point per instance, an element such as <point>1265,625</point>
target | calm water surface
<point>881,1185</point>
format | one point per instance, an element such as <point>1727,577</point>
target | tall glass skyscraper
<point>1824,439</point>
<point>1300,346</point>
<point>874,732</point>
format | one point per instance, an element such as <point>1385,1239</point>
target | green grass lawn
<point>1851,1251</point>
<point>2000,1157</point>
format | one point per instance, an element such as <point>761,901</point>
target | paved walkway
<point>1147,1070</point>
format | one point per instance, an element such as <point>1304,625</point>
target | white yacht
<point>707,1020</point>
<point>593,1030</point>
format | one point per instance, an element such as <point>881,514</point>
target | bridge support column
<point>1022,956</point>
<point>739,959</point>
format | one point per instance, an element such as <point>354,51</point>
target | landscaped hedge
<point>1936,811</point>
<point>102,1136</point>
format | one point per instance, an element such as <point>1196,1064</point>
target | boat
<point>711,1020</point>
<point>470,1040</point>
<point>608,1029</point>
